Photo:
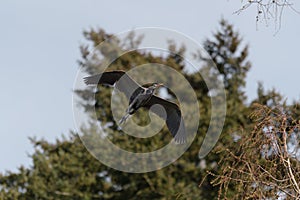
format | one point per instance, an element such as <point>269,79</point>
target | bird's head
<point>157,85</point>
<point>153,87</point>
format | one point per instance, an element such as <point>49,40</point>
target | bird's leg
<point>124,118</point>
<point>129,111</point>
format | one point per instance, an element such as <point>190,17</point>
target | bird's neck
<point>150,90</point>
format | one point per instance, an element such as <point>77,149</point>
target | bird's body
<point>139,99</point>
<point>143,97</point>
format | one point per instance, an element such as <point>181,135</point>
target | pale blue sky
<point>39,49</point>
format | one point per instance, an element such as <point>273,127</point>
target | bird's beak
<point>160,85</point>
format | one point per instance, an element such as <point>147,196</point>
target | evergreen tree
<point>230,58</point>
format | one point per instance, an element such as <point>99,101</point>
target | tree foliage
<point>264,163</point>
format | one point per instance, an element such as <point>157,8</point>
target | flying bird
<point>143,97</point>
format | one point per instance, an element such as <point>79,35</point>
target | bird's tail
<point>124,118</point>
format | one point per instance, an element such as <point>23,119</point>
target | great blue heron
<point>143,97</point>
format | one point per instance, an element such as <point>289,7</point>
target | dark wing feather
<point>173,119</point>
<point>108,78</point>
<point>123,82</point>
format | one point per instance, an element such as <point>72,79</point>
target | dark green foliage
<point>64,170</point>
<point>230,58</point>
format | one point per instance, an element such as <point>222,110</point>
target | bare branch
<point>268,10</point>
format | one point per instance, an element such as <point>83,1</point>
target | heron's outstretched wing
<point>123,82</point>
<point>173,119</point>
